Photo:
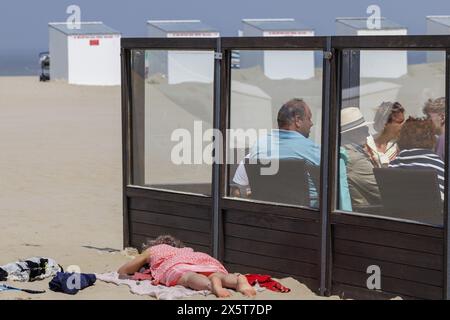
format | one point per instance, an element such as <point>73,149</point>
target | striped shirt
<point>420,159</point>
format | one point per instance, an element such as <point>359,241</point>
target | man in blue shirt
<point>291,140</point>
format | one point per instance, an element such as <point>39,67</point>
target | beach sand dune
<point>61,183</point>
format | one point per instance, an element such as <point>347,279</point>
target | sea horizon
<point>27,63</point>
<point>20,63</point>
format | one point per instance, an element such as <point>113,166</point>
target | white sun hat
<point>351,119</point>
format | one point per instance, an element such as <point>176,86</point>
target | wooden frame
<point>296,235</point>
<point>326,249</point>
<point>150,212</point>
<point>389,243</point>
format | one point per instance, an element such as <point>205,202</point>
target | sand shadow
<point>109,250</point>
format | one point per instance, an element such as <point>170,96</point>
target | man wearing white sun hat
<point>361,180</point>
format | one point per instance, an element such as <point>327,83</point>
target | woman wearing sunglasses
<point>382,147</point>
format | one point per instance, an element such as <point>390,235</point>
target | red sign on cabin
<point>95,42</point>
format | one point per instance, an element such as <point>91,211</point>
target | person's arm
<point>235,191</point>
<point>240,182</point>
<point>134,265</point>
<point>345,202</point>
<point>240,176</point>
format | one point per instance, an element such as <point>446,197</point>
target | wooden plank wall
<point>285,242</point>
<point>410,258</point>
<point>191,223</point>
<point>271,243</point>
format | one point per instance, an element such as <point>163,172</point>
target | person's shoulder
<point>358,156</point>
<point>343,154</point>
<point>185,250</point>
<point>301,139</point>
<point>350,149</point>
<point>416,152</point>
<point>161,247</point>
<point>436,158</point>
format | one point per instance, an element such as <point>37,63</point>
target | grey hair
<point>290,110</point>
<point>164,239</point>
<point>434,106</point>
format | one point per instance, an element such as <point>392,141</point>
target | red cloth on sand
<point>267,282</point>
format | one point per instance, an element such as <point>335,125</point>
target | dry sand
<point>60,185</point>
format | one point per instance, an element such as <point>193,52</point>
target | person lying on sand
<point>173,264</point>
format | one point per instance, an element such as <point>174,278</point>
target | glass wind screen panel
<point>392,132</point>
<point>275,126</point>
<point>172,115</point>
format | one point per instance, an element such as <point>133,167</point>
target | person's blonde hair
<point>164,239</point>
<point>434,106</point>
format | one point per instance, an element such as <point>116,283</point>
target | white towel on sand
<point>146,288</point>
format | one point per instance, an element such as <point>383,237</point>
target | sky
<point>24,30</point>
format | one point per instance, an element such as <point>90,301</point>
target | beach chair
<point>314,174</point>
<point>411,194</point>
<point>234,157</point>
<point>288,186</point>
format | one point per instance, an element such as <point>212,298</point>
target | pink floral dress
<point>168,264</point>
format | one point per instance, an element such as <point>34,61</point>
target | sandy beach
<point>61,184</point>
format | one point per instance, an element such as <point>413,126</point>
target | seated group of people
<point>398,143</point>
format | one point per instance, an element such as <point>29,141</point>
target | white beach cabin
<point>278,64</point>
<point>437,25</point>
<point>88,55</point>
<point>376,64</point>
<point>182,66</point>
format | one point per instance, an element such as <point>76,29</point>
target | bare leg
<point>244,287</point>
<point>195,281</point>
<point>237,282</point>
<point>217,287</point>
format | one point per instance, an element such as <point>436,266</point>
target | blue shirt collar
<point>287,133</point>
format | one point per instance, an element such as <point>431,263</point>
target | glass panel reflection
<point>275,123</point>
<point>172,114</point>
<point>392,130</point>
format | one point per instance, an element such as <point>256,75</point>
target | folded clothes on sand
<point>32,269</point>
<point>146,288</point>
<point>71,283</point>
<point>3,275</point>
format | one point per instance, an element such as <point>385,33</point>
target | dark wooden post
<point>350,75</point>
<point>216,194</point>
<point>225,84</point>
<point>125,59</point>
<point>327,166</point>
<point>446,284</point>
<point>138,117</point>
